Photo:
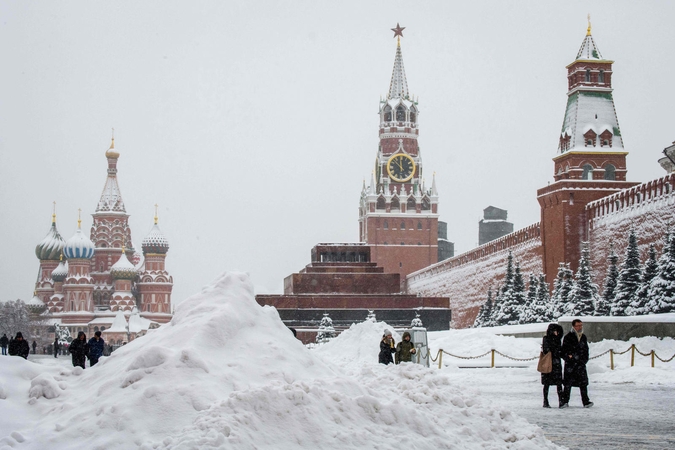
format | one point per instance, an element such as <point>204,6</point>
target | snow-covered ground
<point>226,373</point>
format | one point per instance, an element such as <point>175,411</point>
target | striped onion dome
<point>61,271</point>
<point>123,269</point>
<point>79,246</point>
<point>155,242</point>
<point>35,303</point>
<point>51,246</point>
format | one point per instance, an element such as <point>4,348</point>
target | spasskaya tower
<point>398,215</point>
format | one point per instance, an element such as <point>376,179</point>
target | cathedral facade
<point>90,283</point>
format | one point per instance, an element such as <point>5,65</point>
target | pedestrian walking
<point>575,354</point>
<point>19,347</point>
<point>96,346</point>
<point>57,347</point>
<point>405,349</point>
<point>34,347</point>
<point>3,343</point>
<point>79,349</point>
<point>387,347</point>
<point>551,343</point>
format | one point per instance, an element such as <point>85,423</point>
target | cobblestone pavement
<point>624,416</point>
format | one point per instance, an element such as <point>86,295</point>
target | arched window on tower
<point>413,114</point>
<point>386,225</point>
<point>381,203</point>
<point>411,203</point>
<point>419,225</point>
<point>587,79</point>
<point>395,204</point>
<point>426,204</point>
<point>587,173</point>
<point>400,113</point>
<point>601,77</point>
<point>610,172</point>
<point>387,113</point>
<point>402,225</point>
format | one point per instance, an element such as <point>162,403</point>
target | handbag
<point>545,364</point>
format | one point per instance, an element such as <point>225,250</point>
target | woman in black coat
<point>19,347</point>
<point>387,347</point>
<point>79,349</point>
<point>551,343</point>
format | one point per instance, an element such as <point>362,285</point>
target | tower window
<point>588,76</point>
<point>381,204</point>
<point>386,225</point>
<point>601,76</point>
<point>400,113</point>
<point>402,225</point>
<point>610,172</point>
<point>402,243</point>
<point>587,173</point>
<point>413,115</point>
<point>419,225</point>
<point>387,113</point>
<point>411,203</point>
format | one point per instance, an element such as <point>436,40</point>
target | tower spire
<point>588,32</point>
<point>398,88</point>
<point>54,214</point>
<point>156,218</point>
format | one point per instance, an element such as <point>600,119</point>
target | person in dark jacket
<point>56,348</point>
<point>575,354</point>
<point>387,347</point>
<point>79,349</point>
<point>3,343</point>
<point>551,343</point>
<point>34,347</point>
<point>19,347</point>
<point>405,349</point>
<point>96,346</point>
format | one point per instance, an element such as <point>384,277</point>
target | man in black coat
<point>19,347</point>
<point>575,354</point>
<point>4,340</point>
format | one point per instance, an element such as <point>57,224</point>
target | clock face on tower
<point>401,167</point>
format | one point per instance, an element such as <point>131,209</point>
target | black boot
<point>546,405</point>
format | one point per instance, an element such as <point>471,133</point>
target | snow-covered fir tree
<point>512,298</point>
<point>326,330</point>
<point>371,316</point>
<point>485,313</point>
<point>561,291</point>
<point>584,294</point>
<point>417,321</point>
<point>544,299</point>
<point>649,272</point>
<point>662,287</point>
<point>529,315</point>
<point>604,304</point>
<point>629,278</point>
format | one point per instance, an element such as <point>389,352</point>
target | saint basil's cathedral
<point>100,282</point>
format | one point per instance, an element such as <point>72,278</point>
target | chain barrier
<point>652,353</point>
<point>465,357</point>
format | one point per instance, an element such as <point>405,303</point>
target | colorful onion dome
<point>51,246</point>
<point>111,153</point>
<point>123,269</point>
<point>79,246</point>
<point>61,271</point>
<point>155,242</point>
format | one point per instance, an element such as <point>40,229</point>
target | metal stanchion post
<point>493,358</point>
<point>652,358</point>
<point>632,355</point>
<point>611,359</point>
<point>440,358</point>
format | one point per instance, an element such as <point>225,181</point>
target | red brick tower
<point>109,231</point>
<point>398,216</point>
<point>155,283</point>
<point>590,162</point>
<point>78,286</point>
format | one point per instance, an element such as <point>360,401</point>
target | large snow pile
<point>226,373</point>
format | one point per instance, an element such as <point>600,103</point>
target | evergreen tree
<point>544,299</point>
<point>584,295</point>
<point>326,330</point>
<point>417,321</point>
<point>629,278</point>
<point>651,269</point>
<point>561,291</point>
<point>662,286</point>
<point>519,292</point>
<point>512,297</point>
<point>528,315</point>
<point>604,305</point>
<point>485,312</point>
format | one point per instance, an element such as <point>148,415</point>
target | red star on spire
<point>398,31</point>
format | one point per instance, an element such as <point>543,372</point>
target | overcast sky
<point>253,124</point>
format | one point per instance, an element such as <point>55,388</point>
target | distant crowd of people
<point>80,349</point>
